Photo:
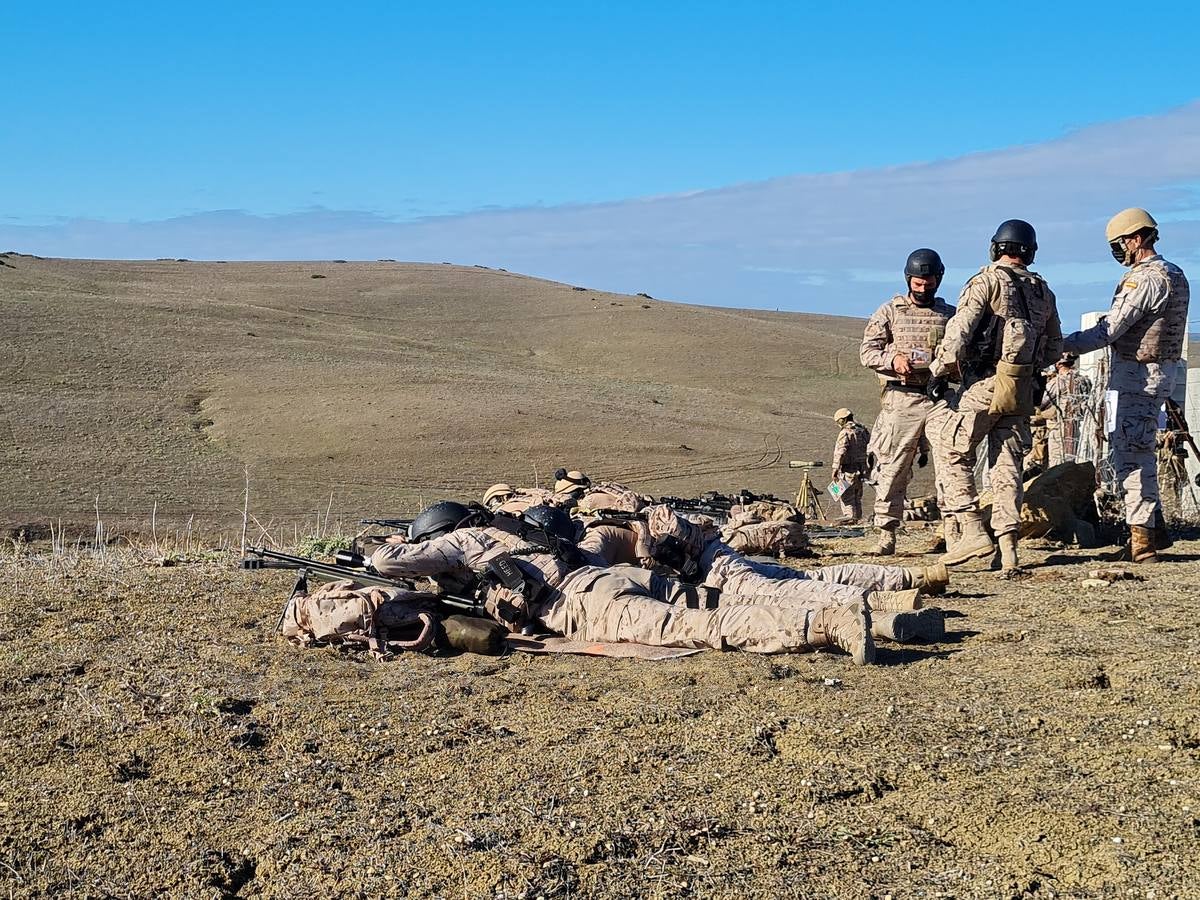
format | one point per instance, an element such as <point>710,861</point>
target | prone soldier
<point>577,595</point>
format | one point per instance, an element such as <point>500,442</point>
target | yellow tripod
<point>807,498</point>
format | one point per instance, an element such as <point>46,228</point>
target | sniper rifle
<point>349,566</point>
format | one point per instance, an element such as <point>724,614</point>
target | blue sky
<point>141,113</point>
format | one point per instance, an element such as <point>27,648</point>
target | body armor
<point>917,328</point>
<point>1158,337</point>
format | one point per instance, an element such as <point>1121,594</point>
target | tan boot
<point>1141,544</point>
<point>895,601</point>
<point>929,580</point>
<point>950,534</point>
<point>973,542</point>
<point>887,542</point>
<point>846,627</point>
<point>905,627</point>
<point>1008,554</point>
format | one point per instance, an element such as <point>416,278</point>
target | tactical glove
<point>922,459</point>
<point>938,388</point>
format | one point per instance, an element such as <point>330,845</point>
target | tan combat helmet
<point>570,482</point>
<point>497,495</point>
<point>843,415</point>
<point>1123,224</point>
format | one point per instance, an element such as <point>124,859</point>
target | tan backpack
<point>346,612</point>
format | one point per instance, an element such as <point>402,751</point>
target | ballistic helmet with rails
<point>1014,237</point>
<point>552,520</point>
<point>442,518</point>
<point>924,263</point>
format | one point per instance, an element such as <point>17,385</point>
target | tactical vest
<point>1009,299</point>
<point>1157,337</point>
<point>916,327</point>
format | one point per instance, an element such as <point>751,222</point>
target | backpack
<point>348,613</point>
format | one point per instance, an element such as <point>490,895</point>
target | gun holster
<point>506,573</point>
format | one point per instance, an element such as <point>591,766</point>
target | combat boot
<point>972,543</point>
<point>938,544</point>
<point>930,580</point>
<point>1141,544</point>
<point>1008,554</point>
<point>846,627</point>
<point>905,627</point>
<point>895,601</point>
<point>1162,537</point>
<point>887,542</point>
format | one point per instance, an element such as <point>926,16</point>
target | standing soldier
<point>1145,328</point>
<point>850,463</point>
<point>1067,394</point>
<point>898,344</point>
<point>1005,331</point>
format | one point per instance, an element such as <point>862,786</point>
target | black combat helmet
<point>442,518</point>
<point>924,263</point>
<point>1014,237</point>
<point>551,520</point>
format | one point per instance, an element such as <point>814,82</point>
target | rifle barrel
<point>262,558</point>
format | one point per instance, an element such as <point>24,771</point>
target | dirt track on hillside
<point>158,741</point>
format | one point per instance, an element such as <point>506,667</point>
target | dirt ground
<point>159,741</point>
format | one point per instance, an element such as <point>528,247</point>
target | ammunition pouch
<point>1012,390</point>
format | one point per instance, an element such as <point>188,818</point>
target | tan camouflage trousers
<point>738,575</point>
<point>626,604</point>
<point>896,441</point>
<point>957,433</point>
<point>860,575</point>
<point>850,503</point>
<point>1134,457</point>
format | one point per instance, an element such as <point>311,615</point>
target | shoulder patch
<point>1129,285</point>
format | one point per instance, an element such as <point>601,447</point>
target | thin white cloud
<point>827,242</point>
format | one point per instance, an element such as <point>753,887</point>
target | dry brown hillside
<point>143,383</point>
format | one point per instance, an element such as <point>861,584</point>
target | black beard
<point>923,298</point>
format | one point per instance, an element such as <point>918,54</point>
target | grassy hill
<point>370,387</point>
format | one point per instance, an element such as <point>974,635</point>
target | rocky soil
<point>159,741</point>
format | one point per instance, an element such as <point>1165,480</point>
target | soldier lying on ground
<point>698,554</point>
<point>767,527</point>
<point>578,596</point>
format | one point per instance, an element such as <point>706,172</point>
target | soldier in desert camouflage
<point>1145,327</point>
<point>693,548</point>
<point>898,344</point>
<point>1005,330</point>
<point>583,598</point>
<point>850,463</point>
